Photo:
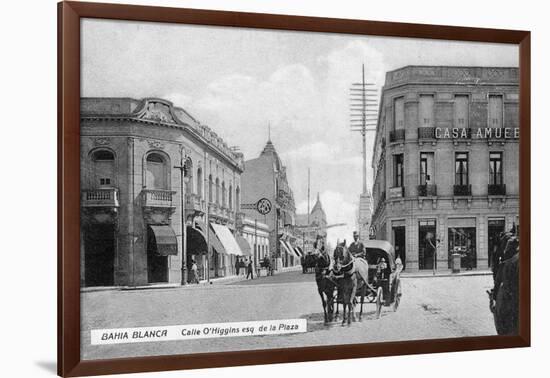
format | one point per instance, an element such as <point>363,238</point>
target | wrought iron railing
<point>426,133</point>
<point>496,189</point>
<point>462,190</point>
<point>397,135</point>
<point>427,190</point>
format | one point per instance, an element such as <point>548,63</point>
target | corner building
<point>446,163</point>
<point>131,194</point>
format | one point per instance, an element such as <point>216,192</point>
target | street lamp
<point>184,180</point>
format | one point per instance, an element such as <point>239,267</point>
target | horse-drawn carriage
<point>375,277</point>
<point>384,281</point>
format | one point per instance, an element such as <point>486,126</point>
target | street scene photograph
<point>248,189</point>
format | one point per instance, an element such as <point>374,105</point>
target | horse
<point>347,280</point>
<point>504,297</point>
<point>325,284</point>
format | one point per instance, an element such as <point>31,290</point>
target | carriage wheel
<point>397,298</point>
<point>379,301</point>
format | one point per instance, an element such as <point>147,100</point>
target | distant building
<point>446,163</point>
<point>131,197</point>
<point>364,215</point>
<point>265,177</point>
<point>317,222</point>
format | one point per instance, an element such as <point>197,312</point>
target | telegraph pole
<point>363,118</point>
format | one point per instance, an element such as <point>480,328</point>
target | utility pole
<point>363,118</point>
<point>183,174</point>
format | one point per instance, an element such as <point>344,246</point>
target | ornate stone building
<point>265,177</point>
<point>131,193</point>
<point>446,163</point>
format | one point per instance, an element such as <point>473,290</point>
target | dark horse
<point>504,297</point>
<point>325,284</point>
<point>346,280</point>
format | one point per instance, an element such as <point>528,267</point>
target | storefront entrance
<point>426,244</point>
<point>496,227</point>
<point>462,240</point>
<point>399,244</point>
<point>99,255</point>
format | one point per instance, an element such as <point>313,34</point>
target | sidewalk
<point>445,273</point>
<point>213,281</point>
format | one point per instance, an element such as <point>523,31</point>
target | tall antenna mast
<point>363,115</point>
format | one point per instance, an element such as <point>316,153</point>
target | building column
<point>482,242</point>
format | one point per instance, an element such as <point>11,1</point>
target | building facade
<point>257,235</point>
<point>446,163</point>
<point>135,202</point>
<point>265,177</point>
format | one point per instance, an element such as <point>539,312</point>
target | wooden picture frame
<point>69,16</point>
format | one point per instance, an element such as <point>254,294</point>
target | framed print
<point>239,188</point>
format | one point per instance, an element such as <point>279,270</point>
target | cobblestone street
<point>431,307</point>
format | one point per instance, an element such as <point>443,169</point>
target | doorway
<point>399,243</point>
<point>99,255</point>
<point>157,265</point>
<point>427,244</point>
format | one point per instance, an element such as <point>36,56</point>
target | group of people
<point>247,265</point>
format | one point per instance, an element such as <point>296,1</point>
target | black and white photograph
<point>250,189</point>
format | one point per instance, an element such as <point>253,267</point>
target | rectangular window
<point>461,111</point>
<point>104,181</point>
<point>461,168</point>
<point>399,113</point>
<point>495,168</point>
<point>398,171</point>
<point>495,111</point>
<point>426,110</point>
<point>426,168</point>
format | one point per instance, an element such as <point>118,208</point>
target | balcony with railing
<point>104,197</point>
<point>158,198</point>
<point>427,190</point>
<point>397,135</point>
<point>426,133</point>
<point>194,204</point>
<point>496,189</point>
<point>462,190</point>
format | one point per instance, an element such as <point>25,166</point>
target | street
<point>431,307</point>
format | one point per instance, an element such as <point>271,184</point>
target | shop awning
<point>196,241</point>
<point>288,248</point>
<point>213,238</point>
<point>165,240</point>
<point>245,245</point>
<point>227,239</point>
<point>299,250</point>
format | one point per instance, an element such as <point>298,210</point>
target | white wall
<point>29,69</point>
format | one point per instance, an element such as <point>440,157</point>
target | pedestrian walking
<point>194,272</point>
<point>250,270</point>
<point>237,266</point>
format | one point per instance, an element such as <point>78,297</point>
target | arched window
<point>199,182</point>
<point>189,176</point>
<point>217,191</point>
<point>224,194</point>
<point>238,198</point>
<point>230,197</point>
<point>156,171</point>
<point>103,168</point>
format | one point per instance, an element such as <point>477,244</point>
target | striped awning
<point>288,248</point>
<point>299,251</point>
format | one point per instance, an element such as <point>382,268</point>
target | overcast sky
<point>238,81</point>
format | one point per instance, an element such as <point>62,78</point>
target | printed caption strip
<point>197,331</point>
